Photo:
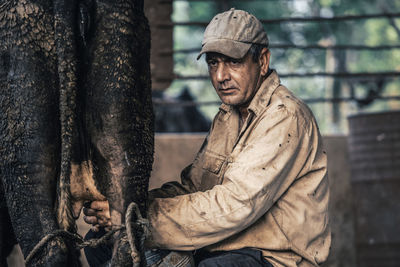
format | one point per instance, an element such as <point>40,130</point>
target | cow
<point>76,119</point>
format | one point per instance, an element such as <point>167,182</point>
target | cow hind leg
<point>30,128</point>
<point>119,111</point>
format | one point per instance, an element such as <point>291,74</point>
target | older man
<point>257,192</point>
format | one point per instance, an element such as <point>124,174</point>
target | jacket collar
<point>262,97</point>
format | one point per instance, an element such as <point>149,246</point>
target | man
<point>257,192</point>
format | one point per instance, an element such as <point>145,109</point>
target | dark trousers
<point>97,256</point>
<point>244,257</point>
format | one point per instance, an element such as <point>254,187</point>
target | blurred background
<point>341,57</point>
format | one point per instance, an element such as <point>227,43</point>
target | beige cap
<point>232,33</point>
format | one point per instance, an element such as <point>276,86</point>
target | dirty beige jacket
<point>264,186</point>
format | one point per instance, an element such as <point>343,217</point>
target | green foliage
<point>373,32</point>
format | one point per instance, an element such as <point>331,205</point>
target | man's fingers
<point>90,219</point>
<point>89,212</point>
<point>97,214</point>
<point>99,205</point>
<point>103,214</point>
<point>102,221</point>
<point>95,228</point>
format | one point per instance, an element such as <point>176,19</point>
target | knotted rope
<point>140,224</point>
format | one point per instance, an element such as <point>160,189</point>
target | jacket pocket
<point>212,162</point>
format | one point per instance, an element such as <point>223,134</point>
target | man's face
<point>235,80</point>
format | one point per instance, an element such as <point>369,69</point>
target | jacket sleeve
<point>254,180</point>
<point>172,189</point>
<point>187,185</point>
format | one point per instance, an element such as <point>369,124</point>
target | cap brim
<point>230,48</point>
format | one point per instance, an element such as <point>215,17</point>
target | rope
<point>135,254</point>
<point>81,242</point>
<point>140,224</point>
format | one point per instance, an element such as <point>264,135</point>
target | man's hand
<point>97,213</point>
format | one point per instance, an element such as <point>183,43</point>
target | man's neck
<point>243,110</point>
<point>243,113</point>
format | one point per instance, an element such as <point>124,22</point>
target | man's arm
<point>97,213</point>
<point>253,182</point>
<point>187,185</point>
<point>172,189</point>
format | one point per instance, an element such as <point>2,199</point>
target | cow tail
<point>66,46</point>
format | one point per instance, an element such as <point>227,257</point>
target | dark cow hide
<point>76,121</point>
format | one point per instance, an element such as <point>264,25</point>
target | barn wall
<point>159,13</point>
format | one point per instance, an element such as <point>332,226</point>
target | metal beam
<point>297,19</point>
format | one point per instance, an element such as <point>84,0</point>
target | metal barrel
<point>374,149</point>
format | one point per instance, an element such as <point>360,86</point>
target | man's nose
<point>222,74</point>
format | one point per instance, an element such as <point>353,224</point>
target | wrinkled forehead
<point>218,57</point>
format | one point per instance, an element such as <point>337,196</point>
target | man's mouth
<point>227,90</point>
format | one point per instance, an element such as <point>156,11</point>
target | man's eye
<point>212,63</point>
<point>235,62</point>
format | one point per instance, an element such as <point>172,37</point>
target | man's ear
<point>264,61</point>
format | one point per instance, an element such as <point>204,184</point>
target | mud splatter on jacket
<point>263,186</point>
